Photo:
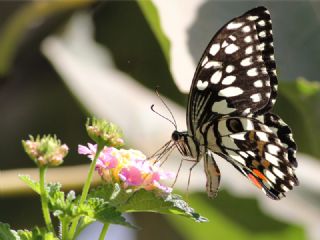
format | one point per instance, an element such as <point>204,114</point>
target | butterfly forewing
<point>236,74</point>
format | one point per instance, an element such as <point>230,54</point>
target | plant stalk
<point>85,189</point>
<point>44,200</point>
<point>104,231</point>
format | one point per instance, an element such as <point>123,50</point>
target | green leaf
<point>35,186</point>
<point>6,233</point>
<point>151,14</point>
<point>109,214</point>
<point>146,201</point>
<point>298,106</point>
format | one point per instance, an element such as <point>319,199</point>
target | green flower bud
<point>46,150</point>
<point>104,133</point>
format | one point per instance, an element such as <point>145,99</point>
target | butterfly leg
<point>212,173</point>
<point>175,179</point>
<point>196,161</point>
<point>180,165</point>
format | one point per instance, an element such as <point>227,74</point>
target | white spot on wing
<point>228,80</point>
<point>261,46</point>
<point>252,18</point>
<point>262,23</point>
<point>272,159</point>
<point>246,62</point>
<point>243,154</point>
<point>246,29</point>
<point>262,136</point>
<point>215,64</point>
<point>239,136</point>
<point>234,25</point>
<point>270,176</point>
<point>258,84</point>
<point>224,44</point>
<point>230,92</point>
<point>284,188</point>
<point>231,49</point>
<point>202,85</point>
<point>247,124</point>
<point>278,173</point>
<point>222,107</point>
<point>273,149</point>
<point>262,34</point>
<point>251,153</point>
<point>248,39</point>
<point>252,72</point>
<point>247,111</point>
<point>249,50</point>
<point>256,97</point>
<point>229,68</point>
<point>215,78</point>
<point>214,49</point>
<point>233,38</point>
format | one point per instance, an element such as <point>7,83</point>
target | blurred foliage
<point>234,218</point>
<point>298,105</point>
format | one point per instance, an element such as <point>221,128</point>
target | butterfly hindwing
<point>236,74</point>
<point>257,152</point>
<point>283,131</point>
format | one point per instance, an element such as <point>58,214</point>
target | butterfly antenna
<point>173,123</point>
<point>174,120</point>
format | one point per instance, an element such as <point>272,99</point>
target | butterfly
<point>229,108</point>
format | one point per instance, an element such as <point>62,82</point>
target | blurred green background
<point>50,82</point>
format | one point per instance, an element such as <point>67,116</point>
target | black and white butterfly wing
<point>259,151</point>
<point>236,74</point>
<point>232,92</point>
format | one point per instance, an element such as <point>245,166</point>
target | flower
<point>130,168</point>
<point>46,150</point>
<point>104,133</point>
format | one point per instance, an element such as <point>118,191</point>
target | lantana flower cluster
<point>46,150</point>
<point>130,168</point>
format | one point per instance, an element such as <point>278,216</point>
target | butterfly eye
<point>234,125</point>
<point>175,136</point>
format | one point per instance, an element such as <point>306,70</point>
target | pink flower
<point>90,150</point>
<point>128,167</point>
<point>131,176</point>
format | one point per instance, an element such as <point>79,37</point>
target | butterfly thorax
<point>187,145</point>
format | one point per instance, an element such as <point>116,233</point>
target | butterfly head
<point>186,144</point>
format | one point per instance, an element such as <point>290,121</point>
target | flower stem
<point>64,230</point>
<point>85,189</point>
<point>44,200</point>
<point>104,231</point>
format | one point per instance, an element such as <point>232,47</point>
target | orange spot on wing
<point>254,180</point>
<point>259,174</point>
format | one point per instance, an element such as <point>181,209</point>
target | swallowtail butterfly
<point>229,109</point>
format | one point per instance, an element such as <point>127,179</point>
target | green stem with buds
<point>104,231</point>
<point>85,189</point>
<point>44,200</point>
